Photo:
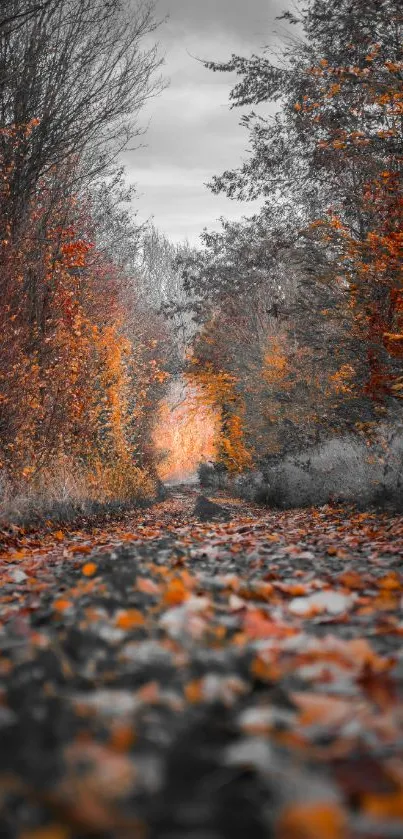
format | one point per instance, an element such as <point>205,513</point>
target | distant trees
<point>163,287</point>
<point>312,285</point>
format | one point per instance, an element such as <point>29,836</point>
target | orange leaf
<point>176,592</point>
<point>147,586</point>
<point>389,806</point>
<point>122,737</point>
<point>89,569</point>
<point>266,671</point>
<point>256,625</point>
<point>321,710</point>
<point>129,619</point>
<point>17,555</point>
<point>311,821</point>
<point>80,549</point>
<point>363,655</point>
<point>193,691</point>
<point>150,692</point>
<point>62,604</point>
<point>351,579</point>
<point>50,831</point>
<point>390,582</point>
<point>260,591</point>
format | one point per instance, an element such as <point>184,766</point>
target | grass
<point>65,492</point>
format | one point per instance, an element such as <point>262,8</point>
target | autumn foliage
<point>78,377</point>
<point>72,377</point>
<point>300,306</point>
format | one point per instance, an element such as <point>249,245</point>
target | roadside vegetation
<point>299,308</point>
<point>285,329</point>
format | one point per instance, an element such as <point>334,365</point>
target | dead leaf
<point>312,821</point>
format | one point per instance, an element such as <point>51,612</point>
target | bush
<point>66,489</point>
<point>366,472</point>
<point>212,475</point>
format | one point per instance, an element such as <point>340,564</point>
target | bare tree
<point>12,16</point>
<point>76,71</point>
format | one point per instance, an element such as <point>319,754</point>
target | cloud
<point>246,21</point>
<point>182,212</point>
<point>192,132</point>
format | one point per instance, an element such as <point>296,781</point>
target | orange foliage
<point>311,820</point>
<point>374,268</point>
<point>372,251</point>
<point>185,433</point>
<point>218,390</point>
<point>70,373</point>
<point>275,363</point>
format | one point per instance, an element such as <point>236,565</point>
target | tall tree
<point>323,258</point>
<point>334,145</point>
<point>77,74</point>
<point>75,375</point>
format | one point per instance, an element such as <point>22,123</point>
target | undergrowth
<point>66,490</point>
<point>364,471</point>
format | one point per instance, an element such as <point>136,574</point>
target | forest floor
<point>178,679</point>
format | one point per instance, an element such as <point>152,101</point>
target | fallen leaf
<point>312,821</point>
<point>62,604</point>
<point>129,619</point>
<point>80,549</point>
<point>49,831</point>
<point>390,582</point>
<point>322,710</point>
<point>333,602</point>
<point>176,592</point>
<point>89,569</point>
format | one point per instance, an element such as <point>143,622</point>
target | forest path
<point>170,678</point>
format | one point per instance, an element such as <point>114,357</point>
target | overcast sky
<point>192,133</point>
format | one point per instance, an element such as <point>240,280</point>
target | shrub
<point>212,475</point>
<point>345,469</point>
<point>67,488</point>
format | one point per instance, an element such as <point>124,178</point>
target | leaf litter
<point>170,678</point>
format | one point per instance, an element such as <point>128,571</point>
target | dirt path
<point>173,679</point>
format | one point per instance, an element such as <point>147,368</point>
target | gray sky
<point>192,132</point>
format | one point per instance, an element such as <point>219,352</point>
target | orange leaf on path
<point>129,619</point>
<point>49,831</point>
<point>312,821</point>
<point>389,806</point>
<point>80,549</point>
<point>122,737</point>
<point>62,604</point>
<point>321,710</point>
<point>390,582</point>
<point>150,692</point>
<point>89,569</point>
<point>257,625</point>
<point>147,586</point>
<point>176,592</point>
<point>193,691</point>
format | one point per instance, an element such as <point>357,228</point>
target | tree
<point>328,149</point>
<point>163,287</point>
<point>301,304</point>
<point>75,73</point>
<point>77,381</point>
<point>14,17</point>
